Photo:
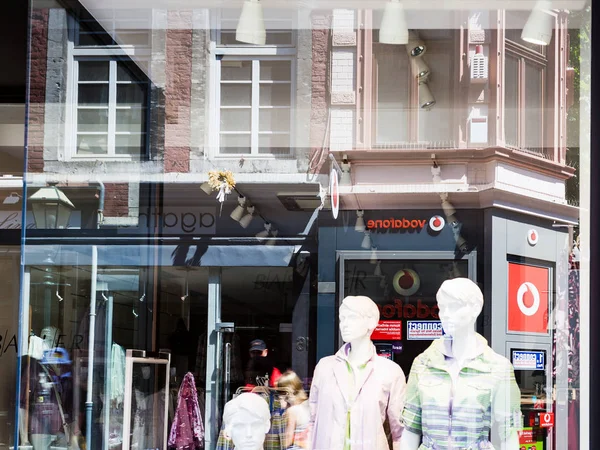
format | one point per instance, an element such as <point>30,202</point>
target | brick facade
<point>116,199</point>
<point>178,92</point>
<point>37,89</point>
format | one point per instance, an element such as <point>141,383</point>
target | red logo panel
<point>527,298</point>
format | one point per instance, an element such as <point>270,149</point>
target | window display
<point>247,420</point>
<point>356,390</point>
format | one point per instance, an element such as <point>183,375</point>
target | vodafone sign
<point>527,298</point>
<point>334,192</point>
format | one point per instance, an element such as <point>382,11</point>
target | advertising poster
<point>388,330</point>
<point>423,330</point>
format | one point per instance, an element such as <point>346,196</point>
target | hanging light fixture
<point>247,219</point>
<point>345,179</point>
<point>272,241</point>
<point>415,46</point>
<point>378,272</point>
<point>539,25</point>
<point>426,98</point>
<point>420,69</point>
<point>264,233</point>
<point>251,26</point>
<point>393,25</point>
<point>374,259</point>
<point>360,222</point>
<point>206,188</point>
<point>449,210</point>
<point>366,242</point>
<point>238,212</point>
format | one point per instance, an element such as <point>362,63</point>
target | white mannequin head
<point>359,316</point>
<point>460,301</point>
<point>247,420</point>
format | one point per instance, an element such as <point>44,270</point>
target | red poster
<point>527,298</point>
<point>388,330</point>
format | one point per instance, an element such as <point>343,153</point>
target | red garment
<point>187,431</point>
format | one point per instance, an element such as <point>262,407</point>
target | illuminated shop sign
<point>400,310</point>
<point>435,223</point>
<point>524,360</point>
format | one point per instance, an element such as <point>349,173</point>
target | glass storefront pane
<point>374,220</point>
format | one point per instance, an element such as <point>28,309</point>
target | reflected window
<point>111,99</point>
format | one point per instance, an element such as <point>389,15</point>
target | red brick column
<point>178,92</point>
<point>37,89</point>
<point>321,30</point>
<point>116,200</point>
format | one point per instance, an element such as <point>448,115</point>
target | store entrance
<point>404,286</point>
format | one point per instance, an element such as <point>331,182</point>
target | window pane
<point>275,95</point>
<point>236,70</point>
<point>92,120</point>
<point>276,144</point>
<point>131,144</point>
<point>94,70</point>
<point>92,94</point>
<point>125,73</point>
<point>131,94</point>
<point>275,70</point>
<point>281,37</point>
<point>235,143</point>
<point>89,39</point>
<point>236,94</point>
<point>133,120</point>
<point>236,119</point>
<point>89,144</point>
<point>511,101</point>
<point>533,107</point>
<point>274,119</point>
<point>392,97</point>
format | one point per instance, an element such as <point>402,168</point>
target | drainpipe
<point>89,403</point>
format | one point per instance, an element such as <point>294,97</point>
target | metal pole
<point>90,381</point>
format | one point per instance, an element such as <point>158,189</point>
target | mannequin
<point>247,420</point>
<point>462,376</point>
<point>354,391</point>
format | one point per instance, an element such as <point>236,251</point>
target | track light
<point>393,25</point>
<point>374,259</point>
<point>366,242</point>
<point>420,69</point>
<point>12,199</point>
<point>360,222</point>
<point>426,98</point>
<point>251,26</point>
<point>206,188</point>
<point>449,210</point>
<point>539,25</point>
<point>247,219</point>
<point>378,272</point>
<point>415,46</point>
<point>272,241</point>
<point>238,212</point>
<point>345,179</point>
<point>264,233</point>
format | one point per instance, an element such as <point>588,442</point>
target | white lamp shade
<point>251,26</point>
<point>378,272</point>
<point>274,234</point>
<point>420,69</point>
<point>247,219</point>
<point>239,210</point>
<point>206,188</point>
<point>393,25</point>
<point>366,242</point>
<point>449,210</point>
<point>426,98</point>
<point>264,233</point>
<point>539,25</point>
<point>360,224</point>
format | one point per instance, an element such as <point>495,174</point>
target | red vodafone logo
<point>527,298</point>
<point>532,237</point>
<point>437,223</point>
<point>334,193</point>
<point>546,420</point>
<point>406,282</point>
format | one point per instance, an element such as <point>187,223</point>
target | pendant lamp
<point>539,25</point>
<point>251,26</point>
<point>393,25</point>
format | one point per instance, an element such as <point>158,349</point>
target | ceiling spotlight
<point>264,233</point>
<point>374,259</point>
<point>345,179</point>
<point>426,98</point>
<point>206,188</point>
<point>449,210</point>
<point>247,219</point>
<point>366,242</point>
<point>378,272</point>
<point>272,241</point>
<point>539,25</point>
<point>12,199</point>
<point>238,212</point>
<point>420,69</point>
<point>360,222</point>
<point>393,25</point>
<point>251,26</point>
<point>415,46</point>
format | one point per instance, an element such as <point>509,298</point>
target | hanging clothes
<point>117,382</point>
<point>187,431</point>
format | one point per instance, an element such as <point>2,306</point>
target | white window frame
<point>245,52</point>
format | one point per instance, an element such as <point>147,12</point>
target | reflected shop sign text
<point>179,221</point>
<point>8,343</point>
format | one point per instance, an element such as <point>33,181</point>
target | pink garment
<point>381,396</point>
<point>187,431</point>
